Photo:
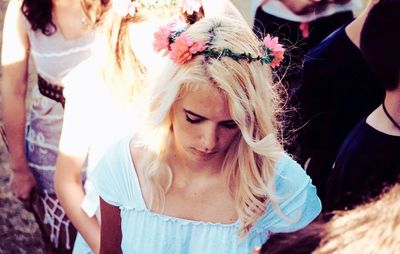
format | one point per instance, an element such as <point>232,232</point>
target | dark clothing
<point>291,36</point>
<point>367,162</point>
<point>336,91</point>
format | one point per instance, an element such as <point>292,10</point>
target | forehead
<point>206,101</point>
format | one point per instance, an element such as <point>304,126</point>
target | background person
<point>58,35</point>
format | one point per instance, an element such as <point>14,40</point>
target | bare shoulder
<point>139,155</point>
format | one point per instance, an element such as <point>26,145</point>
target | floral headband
<point>125,7</point>
<point>181,48</point>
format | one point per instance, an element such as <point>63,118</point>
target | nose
<point>209,137</point>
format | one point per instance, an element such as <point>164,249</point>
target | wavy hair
<point>249,164</point>
<point>39,13</point>
<point>369,228</point>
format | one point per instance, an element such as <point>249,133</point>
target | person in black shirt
<point>337,89</point>
<point>369,159</point>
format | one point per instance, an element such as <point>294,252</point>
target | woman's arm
<point>111,234</point>
<point>14,59</point>
<point>73,150</point>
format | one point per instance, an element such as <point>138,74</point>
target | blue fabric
<point>148,232</point>
<point>80,246</point>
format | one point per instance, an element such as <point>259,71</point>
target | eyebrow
<point>192,113</point>
<point>202,117</point>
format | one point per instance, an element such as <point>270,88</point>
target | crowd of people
<point>174,126</point>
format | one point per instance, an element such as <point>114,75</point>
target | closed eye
<point>229,124</point>
<point>193,119</point>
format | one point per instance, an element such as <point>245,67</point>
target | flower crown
<point>125,7</point>
<point>181,48</point>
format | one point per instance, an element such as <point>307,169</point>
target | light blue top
<point>144,231</point>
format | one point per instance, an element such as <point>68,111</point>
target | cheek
<point>228,136</point>
<point>183,130</point>
<point>297,6</point>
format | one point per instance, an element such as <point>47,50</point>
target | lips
<point>203,155</point>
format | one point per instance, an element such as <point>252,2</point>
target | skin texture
<point>15,57</point>
<point>301,6</point>
<point>202,133</point>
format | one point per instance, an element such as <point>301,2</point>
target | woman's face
<point>202,126</point>
<point>301,7</point>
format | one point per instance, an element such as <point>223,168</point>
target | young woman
<point>207,173</point>
<point>58,35</point>
<point>108,108</point>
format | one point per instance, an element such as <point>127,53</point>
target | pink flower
<point>197,47</point>
<point>162,36</point>
<point>278,57</point>
<point>183,49</point>
<point>190,6</point>
<point>273,44</point>
<point>161,41</point>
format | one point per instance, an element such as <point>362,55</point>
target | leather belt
<point>51,91</point>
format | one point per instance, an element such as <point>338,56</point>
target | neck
<point>392,104</point>
<point>67,3</point>
<point>182,166</point>
<point>353,30</point>
<point>380,121</point>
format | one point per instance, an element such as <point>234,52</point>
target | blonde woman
<point>207,173</point>
<point>103,100</point>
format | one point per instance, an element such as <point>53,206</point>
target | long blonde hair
<point>249,165</point>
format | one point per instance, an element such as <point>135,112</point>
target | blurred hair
<point>369,228</point>
<point>122,70</point>
<point>95,10</point>
<point>380,40</point>
<point>39,13</point>
<point>303,241</point>
<point>253,103</point>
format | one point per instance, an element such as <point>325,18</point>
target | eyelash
<point>194,121</point>
<point>230,125</point>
